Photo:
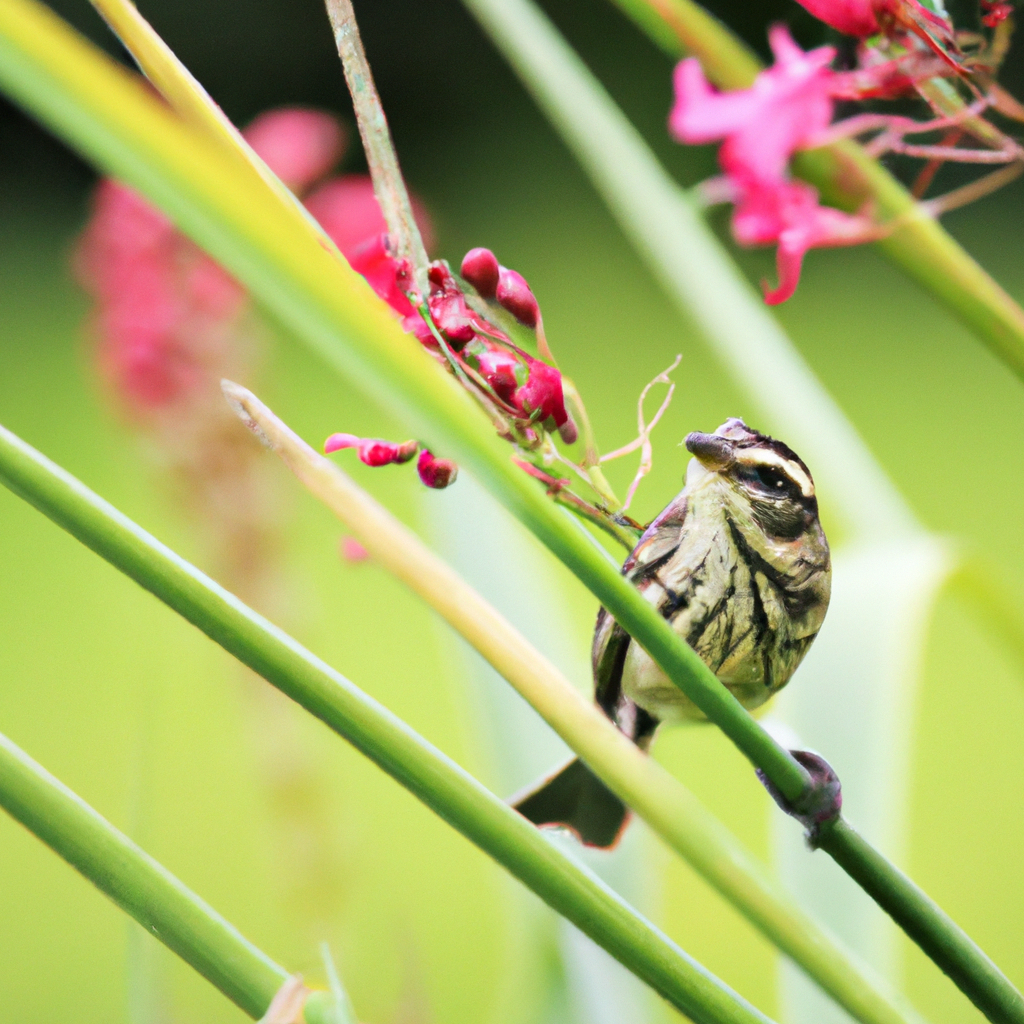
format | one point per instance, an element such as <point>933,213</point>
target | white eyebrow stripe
<point>767,457</point>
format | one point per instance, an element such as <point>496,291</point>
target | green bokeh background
<point>162,733</point>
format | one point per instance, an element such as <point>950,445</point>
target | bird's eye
<point>772,480</point>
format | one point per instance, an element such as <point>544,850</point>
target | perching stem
<point>381,157</point>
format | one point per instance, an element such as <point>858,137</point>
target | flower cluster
<point>787,109</point>
<point>790,108</point>
<point>457,325</point>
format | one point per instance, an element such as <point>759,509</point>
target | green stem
<point>927,924</point>
<point>139,885</point>
<point>85,98</point>
<point>850,179</point>
<point>381,157</point>
<point>438,782</point>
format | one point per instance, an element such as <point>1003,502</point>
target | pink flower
<point>448,308</point>
<point>480,268</point>
<point>515,295</point>
<point>790,215</point>
<point>863,18</point>
<point>436,473</point>
<point>854,17</point>
<point>786,108</point>
<point>501,369</point>
<point>896,18</point>
<point>993,12</point>
<point>373,451</point>
<point>164,311</point>
<point>541,396</point>
<point>353,551</point>
<point>300,146</point>
<point>347,209</point>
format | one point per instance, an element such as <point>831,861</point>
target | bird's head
<point>762,485</point>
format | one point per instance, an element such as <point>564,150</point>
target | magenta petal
<point>788,264</point>
<point>336,442</point>
<point>854,17</point>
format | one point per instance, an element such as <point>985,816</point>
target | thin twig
<point>643,440</point>
<point>962,156</point>
<point>927,174</point>
<point>975,190</point>
<point>388,182</point>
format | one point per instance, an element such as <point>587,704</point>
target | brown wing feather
<point>611,641</point>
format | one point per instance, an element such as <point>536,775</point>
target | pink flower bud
<point>480,268</point>
<point>993,12</point>
<point>854,17</point>
<point>541,396</point>
<point>372,451</point>
<point>436,473</point>
<point>353,551</point>
<point>514,294</point>
<point>568,431</point>
<point>338,441</point>
<point>498,367</point>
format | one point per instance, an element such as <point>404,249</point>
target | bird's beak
<point>713,452</point>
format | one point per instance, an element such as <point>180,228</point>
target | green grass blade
<point>443,786</point>
<point>136,882</point>
<point>849,178</point>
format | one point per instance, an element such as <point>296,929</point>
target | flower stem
<point>437,781</point>
<point>136,882</point>
<point>663,802</point>
<point>381,157</point>
<point>847,177</point>
<point>926,923</point>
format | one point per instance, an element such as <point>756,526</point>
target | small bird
<point>739,565</point>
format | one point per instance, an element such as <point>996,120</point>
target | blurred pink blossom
<point>299,145</point>
<point>352,550</point>
<point>788,108</point>
<point>863,18</point>
<point>790,216</point>
<point>854,17</point>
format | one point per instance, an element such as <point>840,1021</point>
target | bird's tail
<point>573,797</point>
